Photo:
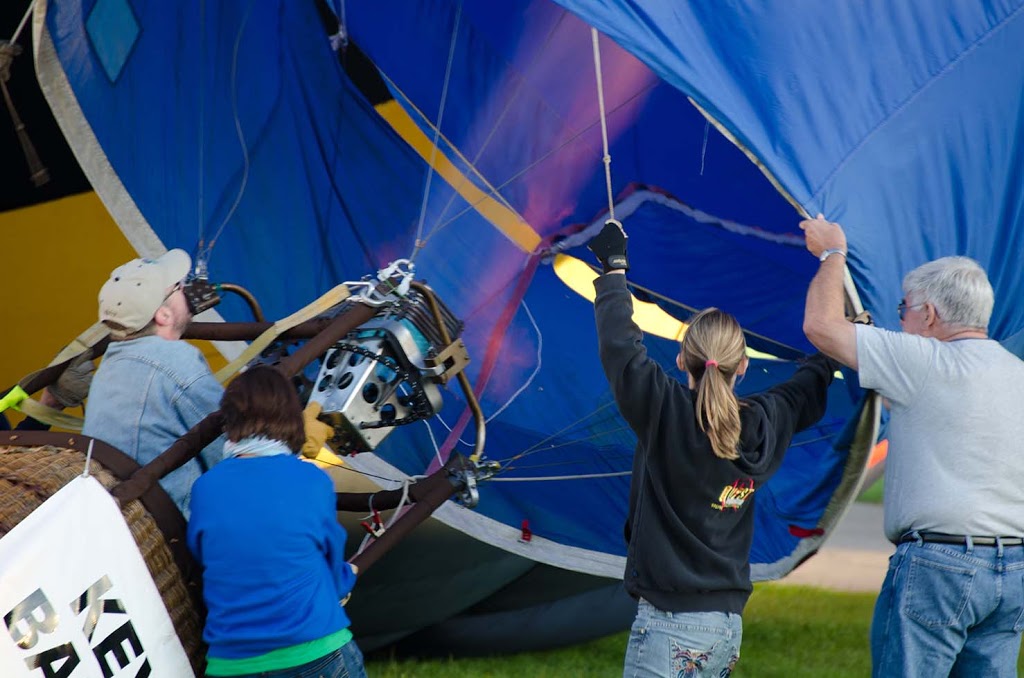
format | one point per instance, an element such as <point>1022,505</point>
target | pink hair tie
<point>711,363</point>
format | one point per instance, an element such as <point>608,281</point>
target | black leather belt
<point>959,539</point>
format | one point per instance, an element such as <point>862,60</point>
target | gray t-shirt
<point>956,435</point>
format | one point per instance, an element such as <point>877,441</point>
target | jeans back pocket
<point>936,593</point>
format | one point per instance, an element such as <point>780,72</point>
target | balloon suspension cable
<point>201,114</point>
<point>204,251</point>
<point>604,124</point>
<point>536,368</point>
<point>21,24</point>
<point>420,242</point>
<point>471,163</point>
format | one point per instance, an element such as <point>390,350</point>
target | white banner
<point>77,599</point>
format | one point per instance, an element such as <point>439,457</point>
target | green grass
<point>873,494</point>
<point>597,658</point>
<point>800,631</point>
<point>788,632</point>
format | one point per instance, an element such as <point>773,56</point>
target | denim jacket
<point>145,395</point>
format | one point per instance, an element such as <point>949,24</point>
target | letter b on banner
<point>29,618</point>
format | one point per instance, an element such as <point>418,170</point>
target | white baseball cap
<point>134,292</point>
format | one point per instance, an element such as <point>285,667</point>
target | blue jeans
<point>952,610</point>
<point>682,644</point>
<point>345,662</point>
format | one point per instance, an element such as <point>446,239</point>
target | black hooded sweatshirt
<point>691,514</point>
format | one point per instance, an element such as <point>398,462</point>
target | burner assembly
<point>387,373</point>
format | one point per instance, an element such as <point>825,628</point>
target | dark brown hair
<point>713,349</point>
<point>261,402</point>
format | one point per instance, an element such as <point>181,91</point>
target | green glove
<point>73,385</point>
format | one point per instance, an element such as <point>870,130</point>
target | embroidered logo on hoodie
<point>733,496</point>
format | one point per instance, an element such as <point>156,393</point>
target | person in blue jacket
<point>264,530</point>
<point>701,456</point>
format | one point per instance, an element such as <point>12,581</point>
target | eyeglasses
<point>179,285</point>
<point>902,307</point>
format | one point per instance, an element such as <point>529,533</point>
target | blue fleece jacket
<point>265,531</point>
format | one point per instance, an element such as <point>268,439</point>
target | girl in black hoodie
<point>701,455</point>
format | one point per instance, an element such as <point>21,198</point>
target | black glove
<point>609,246</point>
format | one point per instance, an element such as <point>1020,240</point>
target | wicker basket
<point>31,474</point>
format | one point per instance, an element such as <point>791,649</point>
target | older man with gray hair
<point>953,600</point>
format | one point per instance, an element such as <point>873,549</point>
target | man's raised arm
<point>825,322</point>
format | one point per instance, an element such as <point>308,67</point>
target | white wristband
<point>829,252</point>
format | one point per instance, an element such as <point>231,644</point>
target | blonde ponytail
<point>718,413</point>
<point>712,351</point>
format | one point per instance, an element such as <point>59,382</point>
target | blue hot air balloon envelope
<point>244,132</point>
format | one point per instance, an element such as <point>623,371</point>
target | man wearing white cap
<point>150,388</point>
